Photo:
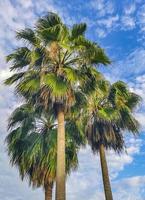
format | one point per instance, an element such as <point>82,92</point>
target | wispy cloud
<point>130,188</point>
<point>129,68</point>
<point>128,22</point>
<point>108,22</point>
<point>141,19</point>
<point>102,7</point>
<point>111,19</point>
<point>130,9</point>
<point>105,25</point>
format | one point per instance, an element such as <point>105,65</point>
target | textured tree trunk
<point>105,175</point>
<point>60,169</point>
<point>48,191</point>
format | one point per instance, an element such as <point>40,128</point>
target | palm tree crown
<point>32,145</point>
<point>109,113</point>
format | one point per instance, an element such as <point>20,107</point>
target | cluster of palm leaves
<point>66,103</point>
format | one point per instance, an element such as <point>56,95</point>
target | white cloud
<point>102,7</point>
<point>5,74</point>
<point>128,19</point>
<point>128,22</point>
<point>130,188</point>
<point>128,68</point>
<point>98,4</point>
<point>117,162</point>
<point>26,3</point>
<point>100,32</point>
<point>108,22</point>
<point>106,25</point>
<point>134,181</point>
<point>138,86</point>
<point>130,9</point>
<point>141,18</point>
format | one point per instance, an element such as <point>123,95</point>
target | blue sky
<point>119,27</point>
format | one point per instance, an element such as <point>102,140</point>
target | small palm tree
<point>49,69</point>
<point>109,113</point>
<point>32,146</point>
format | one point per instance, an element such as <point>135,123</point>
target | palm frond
<point>128,121</point>
<point>78,30</point>
<point>20,58</point>
<point>133,100</point>
<point>28,36</point>
<point>49,20</point>
<point>57,85</point>
<point>99,57</point>
<point>28,86</point>
<point>14,78</point>
<point>55,33</point>
<point>73,75</point>
<point>24,116</point>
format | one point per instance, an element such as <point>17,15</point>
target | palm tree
<point>109,113</point>
<point>32,146</point>
<point>49,69</point>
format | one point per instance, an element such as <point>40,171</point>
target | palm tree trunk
<point>60,169</point>
<point>105,175</point>
<point>48,191</point>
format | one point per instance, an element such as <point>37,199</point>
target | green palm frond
<point>91,79</point>
<point>99,57</point>
<point>133,100</point>
<point>80,103</point>
<point>50,34</point>
<point>14,78</point>
<point>37,56</point>
<point>108,114</point>
<point>118,94</point>
<point>75,132</point>
<point>91,52</point>
<point>20,58</point>
<point>57,85</point>
<point>13,137</point>
<point>55,33</point>
<point>30,84</point>
<point>78,30</point>
<point>48,21</point>
<point>72,75</point>
<point>125,101</point>
<point>28,36</point>
<point>128,121</point>
<point>23,115</point>
<point>121,86</point>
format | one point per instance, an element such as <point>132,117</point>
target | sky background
<point>119,27</point>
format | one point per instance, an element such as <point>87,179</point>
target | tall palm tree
<point>109,114</point>
<point>49,69</point>
<point>32,146</point>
